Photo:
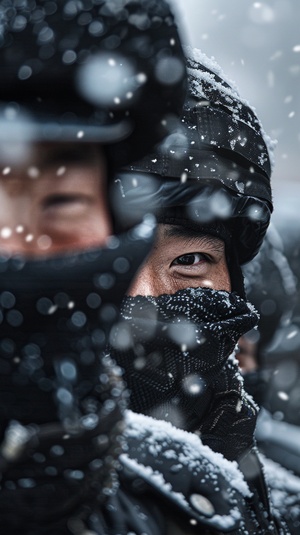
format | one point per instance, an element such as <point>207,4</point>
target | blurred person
<point>75,77</point>
<point>277,441</point>
<point>283,352</point>
<point>209,186</point>
<point>271,287</point>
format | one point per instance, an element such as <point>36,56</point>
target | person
<point>284,350</point>
<point>75,77</point>
<point>271,287</point>
<point>209,185</point>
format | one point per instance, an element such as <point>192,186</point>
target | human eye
<point>65,206</point>
<point>60,200</point>
<point>190,259</point>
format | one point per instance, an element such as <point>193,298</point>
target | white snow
<point>231,93</point>
<point>158,432</point>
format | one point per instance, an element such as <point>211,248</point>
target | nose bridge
<point>144,281</point>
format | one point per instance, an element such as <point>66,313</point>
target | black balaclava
<point>62,399</point>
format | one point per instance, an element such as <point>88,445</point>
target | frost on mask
<point>176,351</point>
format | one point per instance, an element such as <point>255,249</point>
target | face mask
<point>177,353</point>
<point>61,399</point>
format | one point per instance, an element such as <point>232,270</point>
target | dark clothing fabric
<point>278,443</point>
<point>284,492</point>
<point>226,427</point>
<point>205,492</point>
<point>180,367</point>
<point>58,479</point>
<point>61,399</point>
<point>170,483</point>
<point>177,363</point>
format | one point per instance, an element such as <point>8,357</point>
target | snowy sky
<point>257,45</point>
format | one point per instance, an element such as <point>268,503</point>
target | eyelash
<point>202,256</point>
<point>57,200</point>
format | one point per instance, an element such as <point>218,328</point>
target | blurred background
<point>257,44</point>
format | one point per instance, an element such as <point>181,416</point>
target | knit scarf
<point>177,355</point>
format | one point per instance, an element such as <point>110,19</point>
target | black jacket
<point>171,484</point>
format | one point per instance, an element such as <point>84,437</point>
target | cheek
<point>82,225</point>
<point>156,279</point>
<point>75,227</point>
<point>151,279</point>
<point>221,278</point>
<point>90,229</point>
<point>97,227</point>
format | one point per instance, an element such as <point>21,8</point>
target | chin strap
<point>235,271</point>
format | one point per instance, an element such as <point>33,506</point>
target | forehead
<point>22,153</point>
<point>189,235</point>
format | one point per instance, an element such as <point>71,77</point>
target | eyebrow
<point>66,154</point>
<point>191,234</point>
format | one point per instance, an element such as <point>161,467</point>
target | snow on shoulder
<point>183,470</point>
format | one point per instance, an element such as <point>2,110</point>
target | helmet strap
<point>235,270</point>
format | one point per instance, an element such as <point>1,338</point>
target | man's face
<point>182,258</point>
<point>53,199</point>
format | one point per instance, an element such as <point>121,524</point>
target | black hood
<point>216,166</point>
<point>82,71</point>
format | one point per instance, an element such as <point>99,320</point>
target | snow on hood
<point>226,87</point>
